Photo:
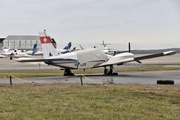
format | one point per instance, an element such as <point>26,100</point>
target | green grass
<point>73,101</point>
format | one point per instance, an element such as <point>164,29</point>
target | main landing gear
<point>67,72</point>
<point>110,72</point>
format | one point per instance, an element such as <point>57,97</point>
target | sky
<point>147,24</point>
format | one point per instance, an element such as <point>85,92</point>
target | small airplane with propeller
<point>86,58</point>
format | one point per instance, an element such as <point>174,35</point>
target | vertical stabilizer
<point>34,50</point>
<point>47,46</point>
<point>68,46</point>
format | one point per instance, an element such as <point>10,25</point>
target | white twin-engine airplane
<point>87,58</point>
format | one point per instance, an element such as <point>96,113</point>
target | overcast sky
<point>147,24</point>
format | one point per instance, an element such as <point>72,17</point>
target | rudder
<point>34,50</point>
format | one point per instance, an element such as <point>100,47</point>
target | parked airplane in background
<point>105,49</point>
<point>114,52</point>
<point>87,58</point>
<point>2,56</point>
<point>34,51</point>
<point>3,50</point>
<point>109,51</point>
<point>66,49</point>
<point>7,52</point>
<point>15,54</point>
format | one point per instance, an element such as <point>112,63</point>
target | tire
<point>170,82</point>
<point>160,82</point>
<point>165,82</point>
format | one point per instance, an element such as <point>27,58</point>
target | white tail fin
<point>47,46</point>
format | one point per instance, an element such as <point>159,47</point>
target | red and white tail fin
<point>47,46</point>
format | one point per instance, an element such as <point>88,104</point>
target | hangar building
<point>22,42</point>
<point>1,44</point>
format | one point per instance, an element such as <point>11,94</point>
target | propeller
<point>129,47</point>
<point>81,47</point>
<point>138,61</point>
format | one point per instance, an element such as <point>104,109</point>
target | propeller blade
<point>129,47</point>
<point>138,61</point>
<point>81,47</point>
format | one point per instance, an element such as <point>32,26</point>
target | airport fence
<point>81,76</point>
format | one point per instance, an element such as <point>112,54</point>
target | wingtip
<point>170,53</point>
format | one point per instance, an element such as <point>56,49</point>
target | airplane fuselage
<point>74,63</point>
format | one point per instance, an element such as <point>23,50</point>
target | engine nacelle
<point>120,58</point>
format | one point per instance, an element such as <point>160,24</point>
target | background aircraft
<point>15,54</point>
<point>110,51</point>
<point>34,51</point>
<point>3,50</point>
<point>66,49</point>
<point>87,58</point>
<point>105,48</point>
<point>7,52</point>
<point>2,56</point>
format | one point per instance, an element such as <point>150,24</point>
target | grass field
<point>73,101</point>
<point>90,101</point>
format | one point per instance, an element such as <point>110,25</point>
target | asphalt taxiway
<point>123,78</point>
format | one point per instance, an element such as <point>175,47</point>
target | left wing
<point>119,60</point>
<point>154,55</point>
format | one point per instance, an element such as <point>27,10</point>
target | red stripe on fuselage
<point>45,39</point>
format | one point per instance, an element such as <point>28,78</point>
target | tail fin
<point>68,46</point>
<point>47,46</point>
<point>34,50</point>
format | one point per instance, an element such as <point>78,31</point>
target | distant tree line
<point>154,50</point>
